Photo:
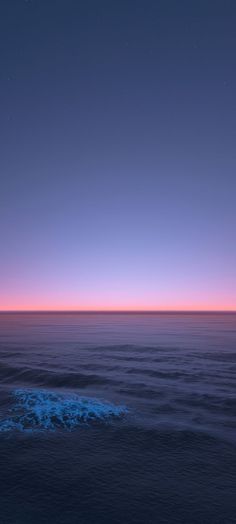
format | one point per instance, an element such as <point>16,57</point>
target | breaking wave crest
<point>36,409</point>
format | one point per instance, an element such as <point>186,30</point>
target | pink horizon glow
<point>131,307</point>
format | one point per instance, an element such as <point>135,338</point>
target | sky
<point>118,157</point>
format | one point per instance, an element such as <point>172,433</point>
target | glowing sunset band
<point>129,300</point>
<point>117,308</point>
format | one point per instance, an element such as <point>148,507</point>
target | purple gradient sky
<point>117,166</point>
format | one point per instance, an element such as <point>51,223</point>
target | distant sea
<point>117,418</point>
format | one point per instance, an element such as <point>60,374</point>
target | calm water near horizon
<point>117,418</point>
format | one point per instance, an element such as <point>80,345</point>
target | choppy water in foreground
<point>117,418</point>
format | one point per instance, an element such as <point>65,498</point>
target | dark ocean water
<point>117,418</point>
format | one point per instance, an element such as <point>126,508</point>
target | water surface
<point>117,418</point>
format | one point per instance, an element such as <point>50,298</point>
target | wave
<point>36,409</point>
<point>44,377</point>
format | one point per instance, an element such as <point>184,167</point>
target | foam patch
<point>37,409</point>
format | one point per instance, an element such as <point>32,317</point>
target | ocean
<point>117,418</point>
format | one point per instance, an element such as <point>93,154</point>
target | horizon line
<point>113,311</point>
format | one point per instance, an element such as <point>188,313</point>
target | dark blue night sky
<point>117,163</point>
